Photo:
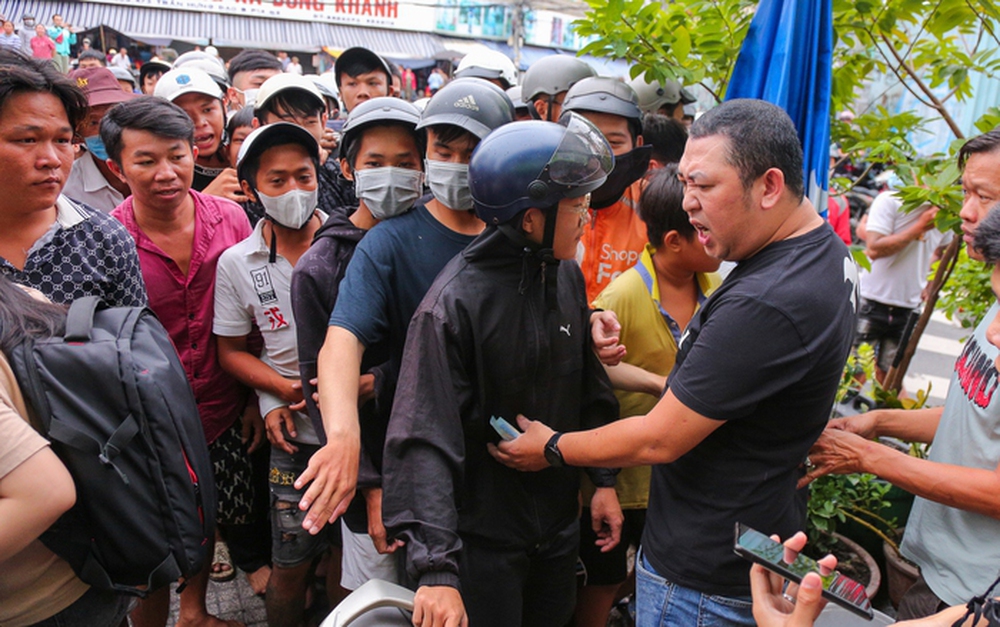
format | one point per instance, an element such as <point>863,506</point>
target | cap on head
<point>282,83</point>
<point>475,105</point>
<point>277,134</point>
<point>100,85</point>
<point>180,81</point>
<point>552,75</point>
<point>152,66</point>
<point>123,74</point>
<point>488,64</point>
<point>536,164</point>
<point>652,96</point>
<point>364,57</point>
<point>373,112</point>
<point>326,84</point>
<point>206,62</point>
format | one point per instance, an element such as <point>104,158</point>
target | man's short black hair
<point>242,118</point>
<point>297,102</point>
<point>360,66</point>
<point>249,60</point>
<point>661,206</point>
<point>666,135</point>
<point>447,133</point>
<point>145,113</point>
<point>987,237</point>
<point>987,142</point>
<point>761,136</point>
<point>93,54</point>
<point>22,74</point>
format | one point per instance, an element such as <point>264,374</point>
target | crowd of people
<point>359,288</point>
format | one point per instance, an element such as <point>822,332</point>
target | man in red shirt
<point>180,234</point>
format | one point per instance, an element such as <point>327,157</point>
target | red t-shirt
<point>186,304</point>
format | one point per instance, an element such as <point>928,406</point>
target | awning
<point>529,54</point>
<point>163,25</point>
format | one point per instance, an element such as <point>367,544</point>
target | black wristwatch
<point>552,454</point>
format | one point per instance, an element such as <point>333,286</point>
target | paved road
<point>935,358</point>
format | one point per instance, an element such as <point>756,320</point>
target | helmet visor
<point>583,156</point>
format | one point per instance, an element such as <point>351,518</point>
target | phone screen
<point>844,591</point>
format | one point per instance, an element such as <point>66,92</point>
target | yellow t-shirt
<point>635,297</point>
<point>34,584</point>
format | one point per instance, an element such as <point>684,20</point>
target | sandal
<point>223,562</point>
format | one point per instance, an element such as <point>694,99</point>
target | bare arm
<point>972,489</point>
<point>882,245</point>
<point>913,425</point>
<point>333,469</point>
<point>238,361</point>
<point>629,378</point>
<point>32,497</point>
<point>662,436</point>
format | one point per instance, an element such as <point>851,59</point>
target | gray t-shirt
<point>959,551</point>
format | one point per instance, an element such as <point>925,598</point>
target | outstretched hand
<point>527,451</point>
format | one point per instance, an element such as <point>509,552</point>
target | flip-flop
<point>222,558</point>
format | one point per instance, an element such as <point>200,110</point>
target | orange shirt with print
<point>612,241</point>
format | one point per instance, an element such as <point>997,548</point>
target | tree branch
<point>938,105</point>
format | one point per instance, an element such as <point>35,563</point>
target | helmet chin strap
<point>544,251</point>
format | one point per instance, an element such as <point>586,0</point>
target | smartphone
<point>844,591</point>
<point>505,429</point>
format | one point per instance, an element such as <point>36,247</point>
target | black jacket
<point>483,343</point>
<point>315,287</point>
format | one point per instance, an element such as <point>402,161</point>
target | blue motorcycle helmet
<point>536,164</point>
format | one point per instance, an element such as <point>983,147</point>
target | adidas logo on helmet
<point>467,102</point>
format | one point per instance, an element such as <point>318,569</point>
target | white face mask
<point>449,182</point>
<point>388,191</point>
<point>292,209</point>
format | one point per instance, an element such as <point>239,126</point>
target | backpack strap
<point>105,452</point>
<point>80,318</point>
<point>980,605</point>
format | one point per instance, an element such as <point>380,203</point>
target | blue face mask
<point>96,147</point>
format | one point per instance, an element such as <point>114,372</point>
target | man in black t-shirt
<point>754,379</point>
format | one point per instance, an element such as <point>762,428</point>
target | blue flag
<point>786,59</point>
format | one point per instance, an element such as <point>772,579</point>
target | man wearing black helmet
<point>391,271</point>
<point>614,240</point>
<point>546,82</point>
<point>502,331</point>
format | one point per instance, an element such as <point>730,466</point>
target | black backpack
<point>113,399</point>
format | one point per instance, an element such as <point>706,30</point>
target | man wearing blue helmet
<point>502,331</point>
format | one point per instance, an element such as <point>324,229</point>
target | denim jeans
<point>660,603</point>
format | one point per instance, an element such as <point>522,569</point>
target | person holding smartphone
<point>777,603</point>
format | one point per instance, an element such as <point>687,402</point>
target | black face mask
<point>629,168</point>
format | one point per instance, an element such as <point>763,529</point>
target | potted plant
<point>837,499</point>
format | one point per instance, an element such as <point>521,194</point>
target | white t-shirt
<point>899,279</point>
<point>248,288</point>
<point>86,184</point>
